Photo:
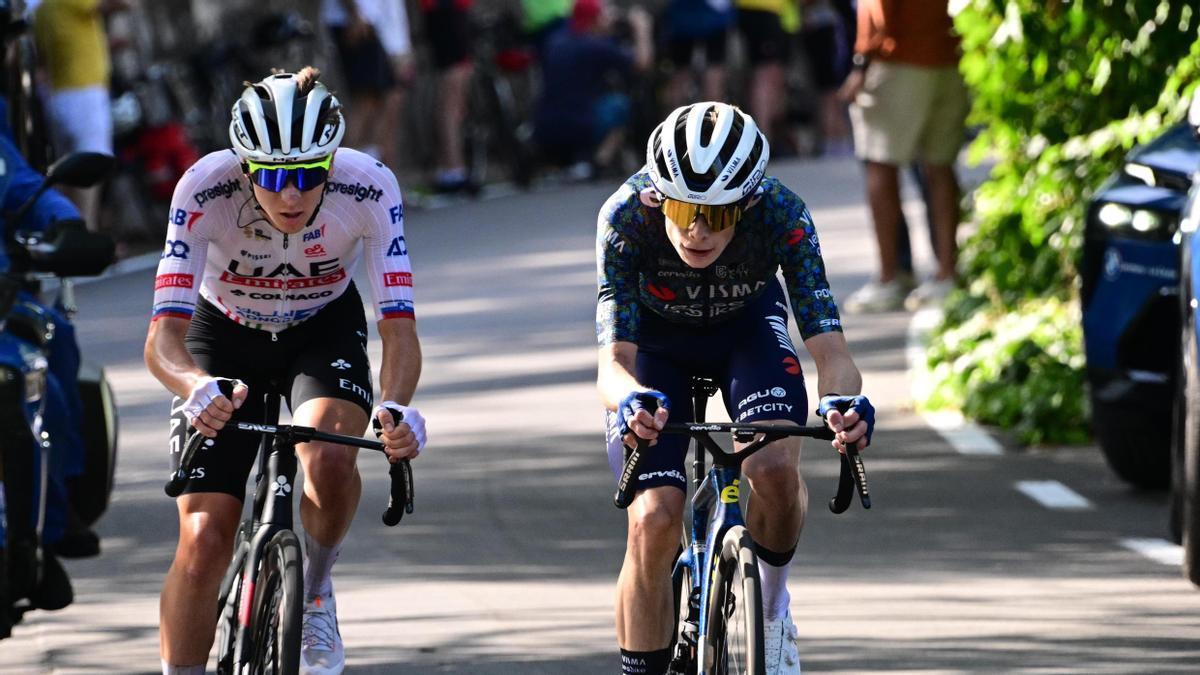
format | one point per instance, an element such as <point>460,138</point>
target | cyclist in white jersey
<point>255,285</point>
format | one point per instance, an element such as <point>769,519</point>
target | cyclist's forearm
<point>401,367</point>
<point>615,377</point>
<point>167,356</point>
<point>836,372</point>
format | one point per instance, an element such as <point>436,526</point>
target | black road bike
<point>718,597</point>
<point>261,601</point>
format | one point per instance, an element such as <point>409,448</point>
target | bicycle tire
<point>228,602</point>
<point>278,608</point>
<point>734,640</point>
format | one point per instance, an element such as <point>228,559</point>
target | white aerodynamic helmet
<point>274,122</point>
<point>707,153</point>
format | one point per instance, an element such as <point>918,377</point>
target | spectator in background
<point>578,119</point>
<point>827,36</point>
<point>373,43</point>
<point>909,104</point>
<point>692,26</point>
<point>543,18</point>
<point>761,27</point>
<point>73,46</point>
<point>448,28</point>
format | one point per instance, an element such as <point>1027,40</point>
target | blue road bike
<point>718,598</point>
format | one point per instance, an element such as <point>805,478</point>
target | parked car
<point>1185,485</point>
<point>1131,308</point>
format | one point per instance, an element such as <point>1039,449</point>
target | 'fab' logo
<point>176,249</point>
<point>315,234</point>
<point>189,218</point>
<point>397,213</point>
<point>398,247</point>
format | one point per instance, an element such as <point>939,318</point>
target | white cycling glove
<point>203,394</point>
<point>410,416</point>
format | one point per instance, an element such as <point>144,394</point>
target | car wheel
<point>1190,498</point>
<point>1138,453</point>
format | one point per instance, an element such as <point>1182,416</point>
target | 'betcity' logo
<point>359,191</point>
<point>225,190</point>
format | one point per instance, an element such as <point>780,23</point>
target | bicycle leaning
<point>718,599</point>
<point>261,603</point>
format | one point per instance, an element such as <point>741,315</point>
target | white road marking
<point>964,436</point>
<point>1158,550</point>
<point>1053,495</point>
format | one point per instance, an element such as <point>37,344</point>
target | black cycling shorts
<point>323,357</point>
<point>763,34</point>
<point>750,357</point>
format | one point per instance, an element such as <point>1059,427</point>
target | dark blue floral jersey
<point>638,267</point>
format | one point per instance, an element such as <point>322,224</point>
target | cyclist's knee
<point>655,521</point>
<point>774,474</point>
<point>203,552</point>
<point>335,464</point>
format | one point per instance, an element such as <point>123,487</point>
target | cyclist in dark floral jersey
<point>687,255</point>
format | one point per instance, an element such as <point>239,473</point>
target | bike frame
<point>272,512</point>
<point>716,504</point>
<point>716,508</point>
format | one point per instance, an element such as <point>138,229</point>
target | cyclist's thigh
<point>223,348</point>
<point>764,381</point>
<point>331,362</point>
<point>663,464</point>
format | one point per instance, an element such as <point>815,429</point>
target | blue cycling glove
<point>640,400</point>
<point>844,404</point>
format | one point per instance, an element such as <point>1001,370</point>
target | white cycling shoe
<point>321,651</point>
<point>779,642</point>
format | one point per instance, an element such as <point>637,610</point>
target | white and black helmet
<point>274,122</point>
<point>707,153</point>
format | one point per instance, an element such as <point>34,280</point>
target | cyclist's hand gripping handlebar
<point>400,501</point>
<point>624,496</point>
<point>179,479</point>
<point>854,474</point>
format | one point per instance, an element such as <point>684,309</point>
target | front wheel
<point>734,644</point>
<point>278,608</point>
<point>229,600</point>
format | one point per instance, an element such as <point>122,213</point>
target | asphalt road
<point>508,564</point>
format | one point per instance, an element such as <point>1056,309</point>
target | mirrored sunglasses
<point>275,177</point>
<point>719,216</point>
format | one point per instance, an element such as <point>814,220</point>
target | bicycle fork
<point>276,516</point>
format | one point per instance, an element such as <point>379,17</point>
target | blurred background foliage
<point>1061,91</point>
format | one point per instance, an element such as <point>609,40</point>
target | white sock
<point>318,567</point>
<point>169,669</point>
<point>776,598</point>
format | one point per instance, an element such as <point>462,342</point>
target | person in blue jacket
<point>63,406</point>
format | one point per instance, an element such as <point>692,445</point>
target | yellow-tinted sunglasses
<point>719,216</point>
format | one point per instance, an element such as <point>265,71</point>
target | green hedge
<point>1061,90</point>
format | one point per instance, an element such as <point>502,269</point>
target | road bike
<point>718,599</point>
<point>261,601</point>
